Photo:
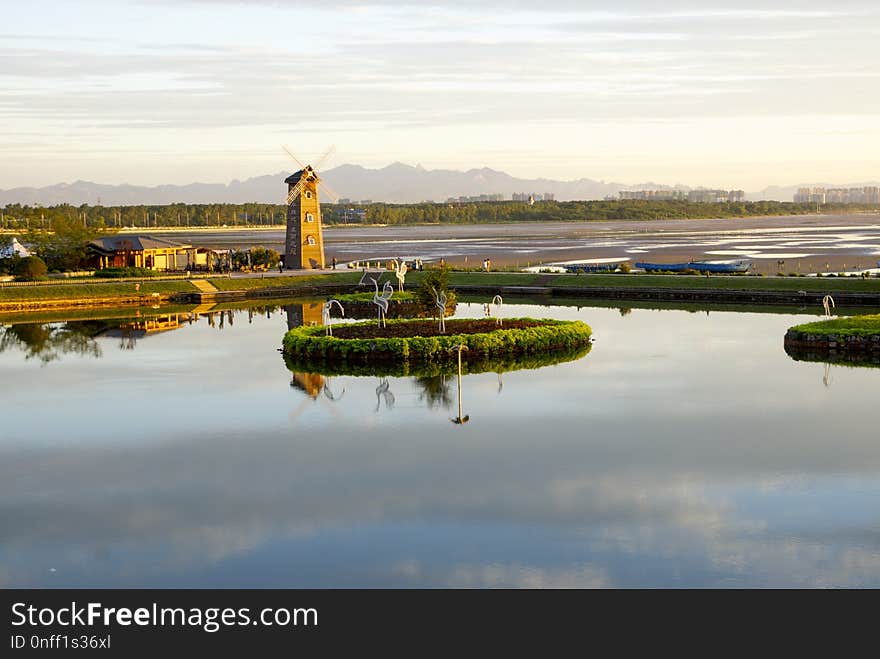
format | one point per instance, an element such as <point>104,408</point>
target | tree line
<point>18,217</point>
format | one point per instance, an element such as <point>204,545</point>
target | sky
<point>723,94</point>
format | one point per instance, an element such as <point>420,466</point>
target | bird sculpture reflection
<point>383,392</point>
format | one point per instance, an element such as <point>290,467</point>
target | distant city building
<point>810,196</point>
<point>866,195</point>
<point>475,199</point>
<point>532,197</point>
<point>701,195</point>
<point>708,196</point>
<point>655,195</point>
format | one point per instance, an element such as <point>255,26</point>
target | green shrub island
<point>417,341</point>
<point>854,340</point>
<point>865,326</point>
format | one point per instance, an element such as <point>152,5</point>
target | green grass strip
<point>842,327</point>
<point>80,291</point>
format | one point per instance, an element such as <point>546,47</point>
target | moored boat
<point>592,267</point>
<point>699,266</point>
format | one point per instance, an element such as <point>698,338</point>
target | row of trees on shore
<point>23,217</point>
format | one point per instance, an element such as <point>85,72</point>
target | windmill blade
<point>294,192</point>
<point>327,154</point>
<point>297,160</point>
<point>295,414</point>
<point>330,192</point>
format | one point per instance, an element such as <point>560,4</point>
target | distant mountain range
<point>396,183</point>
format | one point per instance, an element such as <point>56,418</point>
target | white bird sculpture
<point>497,302</point>
<point>828,304</point>
<point>440,303</point>
<point>325,314</point>
<point>400,272</point>
<point>381,301</point>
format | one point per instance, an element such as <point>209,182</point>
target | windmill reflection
<point>308,313</point>
<point>311,384</point>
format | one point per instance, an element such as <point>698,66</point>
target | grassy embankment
<point>842,327</point>
<point>127,289</point>
<point>253,283</point>
<point>96,290</point>
<point>747,283</point>
<point>413,279</point>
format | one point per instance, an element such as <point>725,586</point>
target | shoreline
<point>751,290</point>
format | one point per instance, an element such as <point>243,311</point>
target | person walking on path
<point>280,267</point>
<point>334,263</point>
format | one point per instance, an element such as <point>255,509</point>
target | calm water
<point>687,449</point>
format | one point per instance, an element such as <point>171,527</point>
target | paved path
<point>204,286</point>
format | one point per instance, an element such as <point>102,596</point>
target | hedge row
<point>503,364</point>
<point>311,344</point>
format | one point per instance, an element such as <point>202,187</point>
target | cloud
<point>417,69</point>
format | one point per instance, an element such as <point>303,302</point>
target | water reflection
<point>659,460</point>
<point>461,418</point>
<point>434,391</point>
<point>384,394</point>
<point>50,341</point>
<point>47,342</point>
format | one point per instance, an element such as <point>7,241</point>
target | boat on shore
<point>720,267</point>
<point>592,267</point>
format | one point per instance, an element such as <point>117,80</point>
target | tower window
<point>310,240</point>
<point>310,217</point>
<point>308,194</point>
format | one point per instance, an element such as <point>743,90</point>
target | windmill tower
<point>304,242</point>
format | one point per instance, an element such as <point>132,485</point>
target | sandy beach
<point>802,243</point>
